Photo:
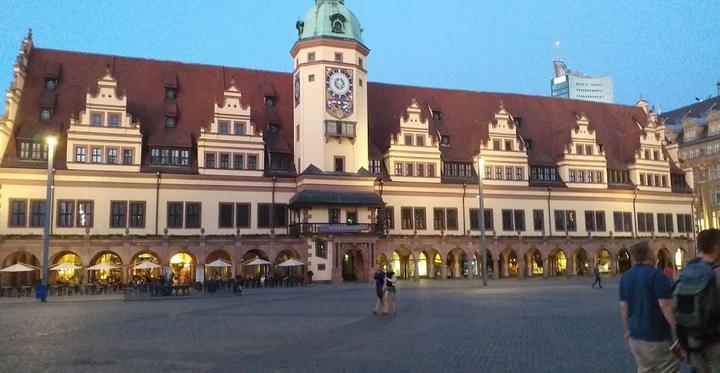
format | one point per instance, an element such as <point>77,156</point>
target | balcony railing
<point>340,129</point>
<point>301,229</point>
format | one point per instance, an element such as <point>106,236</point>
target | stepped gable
<point>546,121</point>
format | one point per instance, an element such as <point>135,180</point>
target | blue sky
<point>668,51</point>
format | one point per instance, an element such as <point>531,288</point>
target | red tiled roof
<point>546,121</point>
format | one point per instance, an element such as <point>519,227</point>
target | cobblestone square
<point>539,325</point>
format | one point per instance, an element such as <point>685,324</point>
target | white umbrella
<point>65,266</point>
<point>19,267</point>
<point>218,263</point>
<point>102,267</point>
<point>291,263</point>
<point>256,262</point>
<point>147,265</point>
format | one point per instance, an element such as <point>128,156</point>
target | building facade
<point>578,86</point>
<point>694,132</point>
<point>183,164</point>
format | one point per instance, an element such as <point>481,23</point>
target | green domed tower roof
<point>330,19</point>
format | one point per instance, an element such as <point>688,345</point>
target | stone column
<point>613,264</point>
<point>522,268</point>
<point>443,272</point>
<point>546,267</point>
<point>456,268</point>
<point>416,278</point>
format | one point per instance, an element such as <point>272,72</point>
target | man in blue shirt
<point>379,279</point>
<point>646,311</point>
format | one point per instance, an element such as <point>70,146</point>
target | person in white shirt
<point>391,293</point>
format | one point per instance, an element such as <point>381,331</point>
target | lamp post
<point>51,142</point>
<point>483,248</point>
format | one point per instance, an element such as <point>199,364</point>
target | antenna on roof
<point>557,48</point>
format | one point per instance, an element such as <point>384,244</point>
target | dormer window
<point>170,122</point>
<point>114,120</point>
<point>170,93</point>
<point>269,101</point>
<point>51,84</point>
<point>96,119</point>
<point>437,115</point>
<point>45,114</point>
<point>338,23</point>
<point>445,140</point>
<point>240,128</point>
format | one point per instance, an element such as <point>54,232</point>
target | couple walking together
<point>386,293</point>
<point>665,322</point>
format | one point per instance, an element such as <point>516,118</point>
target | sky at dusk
<point>667,51</point>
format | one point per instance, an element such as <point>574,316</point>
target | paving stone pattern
<point>543,325</point>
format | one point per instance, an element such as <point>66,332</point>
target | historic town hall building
<point>182,164</point>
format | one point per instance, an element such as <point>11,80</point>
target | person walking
<point>647,313</point>
<point>697,304</point>
<point>598,279</point>
<point>379,278</point>
<point>391,294</point>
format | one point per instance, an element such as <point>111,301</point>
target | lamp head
<point>51,141</point>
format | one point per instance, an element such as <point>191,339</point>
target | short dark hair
<point>640,251</point>
<point>708,239</point>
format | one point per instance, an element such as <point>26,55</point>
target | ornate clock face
<point>339,92</point>
<point>297,89</point>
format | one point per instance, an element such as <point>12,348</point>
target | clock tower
<point>330,90</point>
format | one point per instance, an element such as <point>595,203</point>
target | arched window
<point>337,21</point>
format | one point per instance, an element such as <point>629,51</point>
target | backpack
<point>696,304</point>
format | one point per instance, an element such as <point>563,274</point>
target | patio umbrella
<point>257,262</point>
<point>65,266</point>
<point>147,265</point>
<point>291,263</point>
<point>19,267</point>
<point>102,267</point>
<point>219,263</point>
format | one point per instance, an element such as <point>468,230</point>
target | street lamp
<point>51,142</point>
<point>483,249</point>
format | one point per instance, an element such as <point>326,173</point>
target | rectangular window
<point>420,218</point>
<point>438,219</point>
<point>226,215</point>
<point>127,156</point>
<point>96,119</point>
<point>645,222</point>
<point>175,214</point>
<point>408,140</point>
<point>622,221</point>
<point>209,160</point>
<point>339,164</point>
<point>242,215</point>
<point>665,223</point>
<point>420,140</point>
<point>239,128</point>
<point>112,156</point>
<point>80,154</point>
<point>409,169</point>
<point>37,213</point>
<point>498,173</point>
<point>224,160</point>
<point>496,144</point>
<point>338,57</point>
<point>513,220</point>
<point>539,220</point>
<point>114,120</point>
<point>598,177</point>
<point>321,249</point>
<point>18,208</point>
<point>223,127</point>
<point>65,213</point>
<point>97,155</point>
<point>519,219</point>
<point>507,220</point>
<point>488,172</point>
<point>24,150</point>
<point>137,214</point>
<point>193,215</point>
<point>475,219</point>
<point>508,173</point>
<point>451,223</point>
<point>85,213</point>
<point>406,218</point>
<point>238,161</point>
<point>565,220</point>
<point>595,221</point>
<point>280,215</point>
<point>559,220</point>
<point>508,145</point>
<point>252,162</point>
<point>588,149</point>
<point>398,169</point>
<point>519,173</point>
<point>118,214</point>
<point>684,223</point>
<point>389,217</point>
<point>333,216</point>
<point>351,217</point>
<point>311,56</point>
<point>573,176</point>
<point>420,169</point>
<point>311,78</point>
<point>264,215</point>
<point>579,149</point>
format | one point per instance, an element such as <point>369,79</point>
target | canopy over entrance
<point>308,198</point>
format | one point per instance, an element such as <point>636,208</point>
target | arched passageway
<point>106,275</point>
<point>680,259</point>
<point>557,263</point>
<point>603,261</point>
<point>382,263</point>
<point>67,276</point>
<point>664,259</point>
<point>582,262</point>
<point>353,268</point>
<point>535,263</point>
<point>182,266</point>
<point>146,274</point>
<point>457,264</point>
<point>253,271</point>
<point>295,271</point>
<point>218,273</point>
<point>624,261</point>
<point>508,265</point>
<point>403,264</point>
<point>17,279</point>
